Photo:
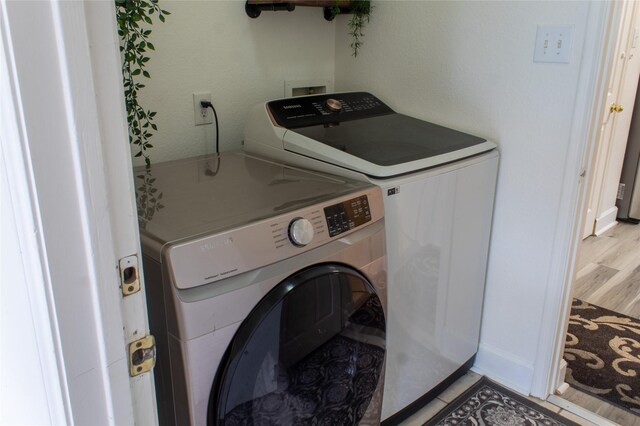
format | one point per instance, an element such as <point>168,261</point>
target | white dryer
<point>266,288</point>
<point>438,187</point>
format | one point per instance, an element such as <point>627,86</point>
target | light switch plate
<point>553,43</point>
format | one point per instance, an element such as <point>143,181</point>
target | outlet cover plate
<point>202,115</point>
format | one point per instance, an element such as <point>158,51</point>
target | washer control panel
<point>326,109</point>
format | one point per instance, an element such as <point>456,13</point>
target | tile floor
<point>464,383</point>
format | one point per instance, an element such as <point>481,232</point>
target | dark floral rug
<point>487,403</point>
<point>602,351</point>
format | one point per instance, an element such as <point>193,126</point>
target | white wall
<point>214,46</point>
<point>469,65</point>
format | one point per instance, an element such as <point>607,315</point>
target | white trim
<point>503,367</point>
<point>606,221</point>
<point>55,87</point>
<point>603,17</point>
<point>561,386</point>
<point>15,165</point>
<point>107,75</point>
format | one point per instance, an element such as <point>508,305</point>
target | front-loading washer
<point>266,288</point>
<point>438,189</point>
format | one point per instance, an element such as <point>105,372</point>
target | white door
<point>607,164</point>
<point>67,173</point>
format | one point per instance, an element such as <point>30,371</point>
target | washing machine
<point>266,289</point>
<point>438,188</point>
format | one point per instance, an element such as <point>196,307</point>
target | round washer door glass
<point>312,351</point>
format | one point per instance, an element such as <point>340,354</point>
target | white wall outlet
<point>553,43</point>
<point>202,115</point>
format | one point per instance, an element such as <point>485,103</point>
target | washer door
<point>311,351</point>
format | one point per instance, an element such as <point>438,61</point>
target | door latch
<point>129,275</point>
<point>142,355</point>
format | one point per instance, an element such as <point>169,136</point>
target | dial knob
<point>300,231</point>
<point>334,105</point>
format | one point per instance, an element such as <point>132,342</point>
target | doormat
<point>602,351</point>
<point>487,403</point>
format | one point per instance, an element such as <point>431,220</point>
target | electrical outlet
<point>202,115</point>
<point>553,43</point>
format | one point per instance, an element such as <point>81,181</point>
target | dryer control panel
<point>347,215</point>
<point>223,255</point>
<point>313,227</point>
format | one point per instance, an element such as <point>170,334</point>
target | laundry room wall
<point>469,65</point>
<point>214,46</point>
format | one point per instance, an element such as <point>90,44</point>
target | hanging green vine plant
<point>361,15</point>
<point>134,45</point>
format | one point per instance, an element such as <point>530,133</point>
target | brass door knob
<point>616,108</point>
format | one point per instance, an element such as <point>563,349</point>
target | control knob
<point>334,105</point>
<point>300,231</point>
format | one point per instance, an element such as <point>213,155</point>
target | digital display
<point>347,215</point>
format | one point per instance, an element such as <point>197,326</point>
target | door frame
<point>607,162</point>
<point>71,147</point>
<point>603,23</point>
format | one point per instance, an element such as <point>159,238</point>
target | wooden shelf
<point>255,7</point>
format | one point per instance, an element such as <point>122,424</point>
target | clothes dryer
<point>438,187</point>
<point>266,289</point>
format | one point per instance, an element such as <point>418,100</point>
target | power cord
<point>208,104</point>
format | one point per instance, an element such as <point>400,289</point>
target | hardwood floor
<point>609,276</point>
<point>609,270</point>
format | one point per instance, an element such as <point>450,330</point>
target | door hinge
<point>620,195</point>
<point>142,355</point>
<point>129,275</point>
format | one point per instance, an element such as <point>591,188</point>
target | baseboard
<point>561,386</point>
<point>504,368</point>
<point>606,221</point>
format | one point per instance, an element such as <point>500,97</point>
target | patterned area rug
<point>603,353</point>
<point>487,403</point>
